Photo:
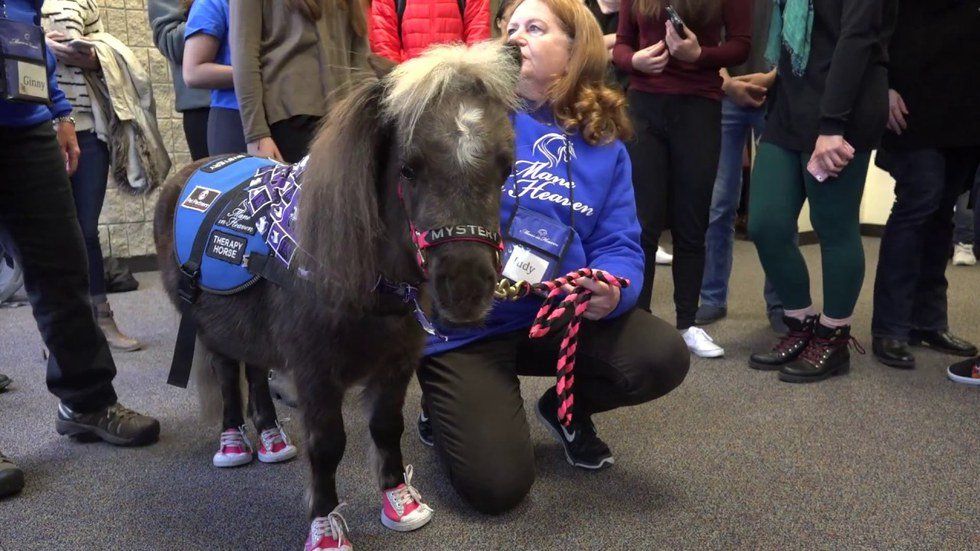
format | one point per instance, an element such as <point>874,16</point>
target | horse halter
<point>431,238</point>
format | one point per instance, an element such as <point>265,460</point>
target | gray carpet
<point>732,459</point>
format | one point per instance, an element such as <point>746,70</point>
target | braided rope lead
<point>549,317</point>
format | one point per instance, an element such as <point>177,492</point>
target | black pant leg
<point>225,132</point>
<point>478,419</point>
<point>920,180</point>
<point>694,134</point>
<point>294,135</point>
<point>38,212</point>
<point>624,361</point>
<point>196,131</point>
<point>648,156</point>
<point>930,307</point>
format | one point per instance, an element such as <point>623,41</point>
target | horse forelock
<point>416,84</point>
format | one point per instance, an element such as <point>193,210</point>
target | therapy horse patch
<point>234,215</point>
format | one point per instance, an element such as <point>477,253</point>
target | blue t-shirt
<point>18,114</point>
<point>210,17</point>
<point>606,231</point>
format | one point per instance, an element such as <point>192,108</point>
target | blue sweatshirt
<point>607,233</point>
<point>31,114</point>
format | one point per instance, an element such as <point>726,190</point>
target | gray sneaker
<point>115,424</point>
<point>708,314</point>
<point>11,477</point>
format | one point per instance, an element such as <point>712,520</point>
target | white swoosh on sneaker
<point>570,436</point>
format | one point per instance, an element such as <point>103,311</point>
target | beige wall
<point>125,228</point>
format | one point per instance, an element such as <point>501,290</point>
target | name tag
<point>524,265</point>
<point>32,81</point>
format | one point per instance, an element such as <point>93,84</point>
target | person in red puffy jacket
<point>424,23</point>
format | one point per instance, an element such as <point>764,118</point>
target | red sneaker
<point>275,446</point>
<point>235,449</point>
<point>328,533</point>
<point>403,509</point>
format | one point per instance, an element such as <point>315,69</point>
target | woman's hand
<point>68,143</point>
<point>765,80</point>
<point>897,111</point>
<point>685,49</point>
<point>832,153</point>
<point>652,59</point>
<point>264,147</point>
<point>68,55</point>
<point>605,297</point>
<point>744,93</point>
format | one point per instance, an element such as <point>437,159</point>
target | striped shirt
<point>75,19</point>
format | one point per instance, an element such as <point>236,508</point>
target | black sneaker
<point>115,424</point>
<point>11,477</point>
<point>425,429</point>
<point>583,447</point>
<point>4,382</point>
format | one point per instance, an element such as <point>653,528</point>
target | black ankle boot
<point>826,355</point>
<point>789,347</point>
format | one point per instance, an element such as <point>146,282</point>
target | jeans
<point>88,186</point>
<point>37,211</point>
<point>675,161</point>
<point>966,221</point>
<point>474,399</point>
<point>736,123</point>
<point>910,285</point>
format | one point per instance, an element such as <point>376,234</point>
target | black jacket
<point>844,90</point>
<point>935,67</point>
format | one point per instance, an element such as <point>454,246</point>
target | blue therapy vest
<point>214,211</point>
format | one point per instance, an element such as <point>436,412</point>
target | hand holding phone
<point>676,21</point>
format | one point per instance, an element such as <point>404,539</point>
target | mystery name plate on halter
<point>24,68</point>
<point>535,246</point>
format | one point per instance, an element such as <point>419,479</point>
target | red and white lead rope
<point>549,317</point>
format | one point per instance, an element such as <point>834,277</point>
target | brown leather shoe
<point>117,339</point>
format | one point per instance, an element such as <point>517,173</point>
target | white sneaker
<point>700,344</point>
<point>963,255</point>
<point>663,257</point>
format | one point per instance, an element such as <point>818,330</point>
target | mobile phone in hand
<point>81,46</point>
<point>676,21</point>
<point>814,169</point>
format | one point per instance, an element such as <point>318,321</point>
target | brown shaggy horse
<point>428,144</point>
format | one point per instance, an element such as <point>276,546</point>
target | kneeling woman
<point>570,200</point>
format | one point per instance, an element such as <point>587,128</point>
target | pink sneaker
<point>275,446</point>
<point>329,533</point>
<point>235,449</point>
<point>403,509</point>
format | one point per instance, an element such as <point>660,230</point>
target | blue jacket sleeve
<point>614,244</point>
<point>59,103</point>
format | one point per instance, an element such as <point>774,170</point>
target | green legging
<point>780,184</point>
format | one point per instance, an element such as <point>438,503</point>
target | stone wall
<point>126,225</point>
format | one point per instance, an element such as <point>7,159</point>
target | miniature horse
<point>400,192</point>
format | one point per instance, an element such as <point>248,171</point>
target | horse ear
<point>382,65</point>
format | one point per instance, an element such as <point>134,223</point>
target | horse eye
<point>408,173</point>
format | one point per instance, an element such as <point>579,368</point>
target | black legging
<point>294,135</point>
<point>675,161</point>
<point>196,131</point>
<point>474,396</point>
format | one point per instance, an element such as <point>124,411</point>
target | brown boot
<point>107,323</point>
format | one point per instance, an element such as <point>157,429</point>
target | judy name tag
<point>23,63</point>
<point>534,247</point>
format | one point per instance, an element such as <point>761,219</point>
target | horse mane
<point>417,83</point>
<point>346,159</point>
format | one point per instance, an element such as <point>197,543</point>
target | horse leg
<point>226,370</point>
<point>321,404</point>
<point>260,406</point>
<point>385,399</point>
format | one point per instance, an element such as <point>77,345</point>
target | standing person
<point>567,141</point>
<point>207,65</point>
<point>65,20</point>
<point>675,103</point>
<point>402,29</point>
<point>38,145</point>
<point>742,114</point>
<point>932,149</point>
<point>828,112</point>
<point>291,59</point>
<point>966,231</point>
<point>168,20</point>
